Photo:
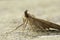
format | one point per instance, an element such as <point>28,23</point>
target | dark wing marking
<point>48,24</point>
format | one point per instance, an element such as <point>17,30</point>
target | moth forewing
<point>50,24</point>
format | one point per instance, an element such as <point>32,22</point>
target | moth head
<point>26,13</point>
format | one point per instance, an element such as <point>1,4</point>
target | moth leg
<point>41,27</point>
<point>24,21</point>
<point>25,25</point>
<point>32,28</point>
<point>46,31</point>
<point>43,30</point>
<point>18,26</point>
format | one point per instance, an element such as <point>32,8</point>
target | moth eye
<point>26,11</point>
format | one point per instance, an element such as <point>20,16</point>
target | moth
<point>37,24</point>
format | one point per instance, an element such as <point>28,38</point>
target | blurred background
<point>12,12</point>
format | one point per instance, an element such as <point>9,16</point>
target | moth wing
<point>50,24</point>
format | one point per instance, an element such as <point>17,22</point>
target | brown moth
<point>40,23</point>
<point>37,24</point>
